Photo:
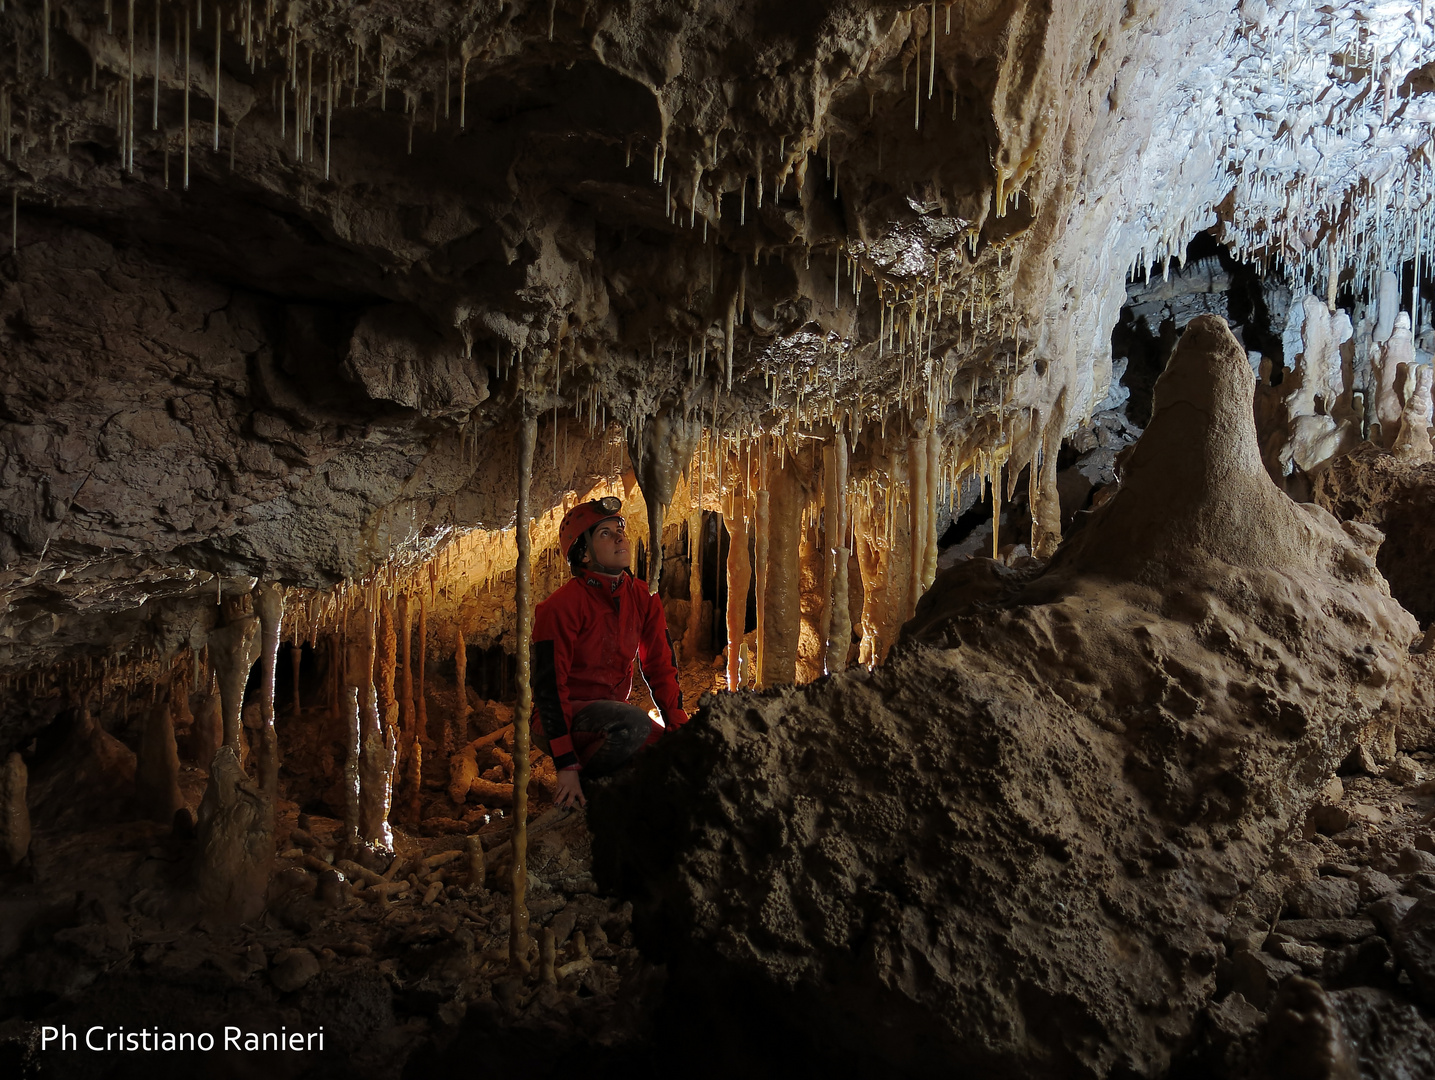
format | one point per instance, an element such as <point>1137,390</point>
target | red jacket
<point>584,639</point>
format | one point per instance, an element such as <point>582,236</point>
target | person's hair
<point>576,553</point>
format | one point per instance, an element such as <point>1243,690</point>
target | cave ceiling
<point>285,275</point>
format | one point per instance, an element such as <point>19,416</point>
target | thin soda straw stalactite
<point>218,49</point>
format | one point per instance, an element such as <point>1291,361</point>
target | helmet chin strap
<point>594,566</point>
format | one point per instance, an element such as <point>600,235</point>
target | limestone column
<point>782,599</point>
<point>917,527</point>
<point>460,707</point>
<point>693,634</point>
<point>387,662</point>
<point>14,809</point>
<point>739,577</point>
<point>929,550</point>
<point>762,534</point>
<point>518,938</point>
<point>353,732</point>
<point>207,735</point>
<point>839,634</point>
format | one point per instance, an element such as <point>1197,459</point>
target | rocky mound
<point>1027,841</point>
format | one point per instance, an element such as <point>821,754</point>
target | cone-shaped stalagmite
<point>14,810</point>
<point>157,765</point>
<point>236,844</point>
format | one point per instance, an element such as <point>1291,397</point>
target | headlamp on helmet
<point>583,517</point>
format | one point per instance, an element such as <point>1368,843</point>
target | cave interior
<point>1021,411</point>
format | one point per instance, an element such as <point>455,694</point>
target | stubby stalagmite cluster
<point>1020,671</point>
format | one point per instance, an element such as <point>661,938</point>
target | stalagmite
<point>353,732</point>
<point>235,844</point>
<point>659,451</point>
<point>14,810</point>
<point>233,650</point>
<point>518,939</point>
<point>269,606</point>
<point>777,658</point>
<point>459,734</point>
<point>739,577</point>
<point>1412,443</point>
<point>1398,349</point>
<point>762,534</point>
<point>157,765</point>
<point>1043,495</point>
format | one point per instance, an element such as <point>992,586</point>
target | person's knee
<point>635,732</point>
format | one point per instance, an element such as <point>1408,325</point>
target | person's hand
<point>570,790</point>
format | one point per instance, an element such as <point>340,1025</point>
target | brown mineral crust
<point>1373,486</point>
<point>1022,842</point>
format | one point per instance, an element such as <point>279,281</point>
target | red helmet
<point>583,517</point>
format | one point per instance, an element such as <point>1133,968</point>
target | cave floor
<point>421,981</point>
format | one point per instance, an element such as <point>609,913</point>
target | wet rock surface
<point>1028,841</point>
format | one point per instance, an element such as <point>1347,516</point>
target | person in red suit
<point>585,637</point>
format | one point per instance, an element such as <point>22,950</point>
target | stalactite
<point>518,939</point>
<point>232,650</point>
<point>269,606</point>
<point>739,578</point>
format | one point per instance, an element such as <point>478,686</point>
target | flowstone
<point>1026,842</point>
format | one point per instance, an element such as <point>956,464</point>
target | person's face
<point>608,544</point>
